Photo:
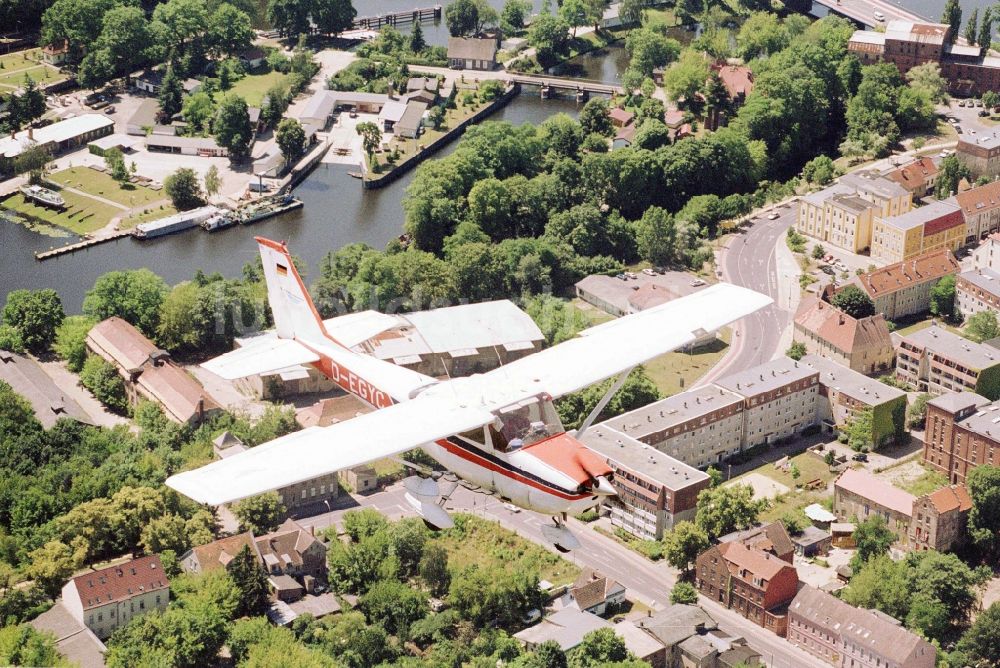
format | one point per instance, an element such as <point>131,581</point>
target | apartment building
<point>981,208</point>
<point>940,519</point>
<point>843,214</point>
<point>937,225</point>
<point>654,490</point>
<point>891,198</point>
<point>843,393</point>
<point>779,399</point>
<point>935,360</point>
<point>987,254</point>
<point>859,494</point>
<point>698,427</point>
<point>961,433</point>
<point>849,637</point>
<point>864,344</point>
<point>980,153</point>
<point>904,288</point>
<point>918,177</point>
<point>977,290</point>
<point>772,538</point>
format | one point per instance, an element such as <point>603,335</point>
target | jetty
<point>421,15</point>
<point>80,245</point>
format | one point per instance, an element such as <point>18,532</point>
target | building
<point>620,117</point>
<point>472,53</point>
<point>844,214</point>
<point>567,627</point>
<point>981,208</point>
<point>320,108</point>
<point>960,434</point>
<point>977,290</point>
<point>56,54</point>
<point>409,123</point>
<point>149,373</point>
<point>107,599</point>
<point>938,225</point>
<point>935,360</point>
<point>845,636</point>
<point>596,593</point>
<point>980,153</point>
<point>844,393</point>
<point>143,120</point>
<point>203,147</point>
<point>654,490</point>
<point>940,518</point>
<point>859,494</point>
<point>218,554</point>
<point>779,400</point>
<point>772,538</point>
<point>891,198</point>
<point>688,636</point>
<point>812,542</point>
<point>864,345</point>
<point>73,639</point>
<point>918,177</point>
<point>987,254</point>
<point>294,551</point>
<point>148,81</point>
<point>904,288</point>
<point>55,138</point>
<point>738,80</point>
<point>755,584</point>
<point>29,380</point>
<point>621,296</point>
<point>390,114</point>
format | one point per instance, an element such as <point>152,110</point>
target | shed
<point>812,541</point>
<point>843,534</point>
<point>411,120</point>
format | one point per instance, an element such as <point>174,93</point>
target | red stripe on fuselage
<point>487,464</point>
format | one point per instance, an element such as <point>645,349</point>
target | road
<point>646,581</point>
<point>864,11</point>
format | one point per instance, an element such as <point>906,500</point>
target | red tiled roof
<point>592,588</point>
<point>915,174</point>
<point>928,267</point>
<point>955,497</point>
<point>738,79</point>
<point>620,115</point>
<point>945,222</point>
<point>839,329</point>
<point>739,557</point>
<point>118,583</point>
<point>977,200</point>
<point>672,118</point>
<point>876,490</point>
<point>218,553</point>
<point>125,344</point>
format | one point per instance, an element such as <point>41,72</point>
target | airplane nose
<point>601,485</point>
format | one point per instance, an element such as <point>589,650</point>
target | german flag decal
<point>282,269</point>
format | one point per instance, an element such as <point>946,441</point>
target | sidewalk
<point>67,382</point>
<point>788,272</point>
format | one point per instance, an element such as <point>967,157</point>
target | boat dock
<point>424,14</point>
<point>80,245</point>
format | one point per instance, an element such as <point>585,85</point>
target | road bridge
<point>863,11</point>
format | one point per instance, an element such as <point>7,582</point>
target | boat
<point>43,196</point>
<point>267,208</point>
<point>175,223</point>
<point>219,221</point>
<point>355,175</point>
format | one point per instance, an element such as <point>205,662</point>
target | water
<point>607,65</point>
<point>337,212</point>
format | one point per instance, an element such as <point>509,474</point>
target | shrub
<point>102,379</point>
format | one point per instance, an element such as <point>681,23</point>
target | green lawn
<point>928,482</point>
<point>595,315</point>
<point>99,183</point>
<point>153,213</point>
<point>40,73</point>
<point>19,59</point>
<point>924,324</point>
<point>810,467</point>
<point>675,372</point>
<point>661,16</point>
<point>82,215</point>
<point>253,87</point>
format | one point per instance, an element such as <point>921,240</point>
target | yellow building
<point>937,226</point>
<point>896,238</point>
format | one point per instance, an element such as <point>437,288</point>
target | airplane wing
<point>268,354</point>
<point>608,349</point>
<point>316,451</point>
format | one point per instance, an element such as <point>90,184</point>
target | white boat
<point>219,221</point>
<point>175,223</point>
<point>43,196</point>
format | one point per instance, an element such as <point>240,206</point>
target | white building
<point>107,599</point>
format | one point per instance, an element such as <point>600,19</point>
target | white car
<point>774,215</point>
<point>511,507</point>
<point>879,16</point>
<point>649,272</point>
<point>697,283</point>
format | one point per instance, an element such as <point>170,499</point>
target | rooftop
<point>637,456</point>
<point>977,200</point>
<point>810,536</point>
<point>839,329</point>
<point>145,114</point>
<point>71,128</point>
<point>950,498</point>
<point>911,31</point>
<point>913,176</point>
<point>637,641</point>
<point>120,583</point>
<point>925,215</point>
<point>985,421</point>
<point>677,622</point>
<point>620,115</point>
<point>593,588</point>
<point>73,640</point>
<point>124,343</point>
<point>176,141</point>
<point>747,563</point>
<point>766,377</point>
<point>28,379</point>
<point>852,203</point>
<point>472,48</point>
<point>673,411</point>
<point>988,141</point>
<point>874,184</point>
<point>876,490</point>
<point>942,342</point>
<point>818,513</point>
<point>956,402</point>
<point>217,554</point>
<point>928,267</point>
<point>986,280</point>
<point>412,115</point>
<point>566,627</point>
<point>772,537</point>
<point>858,386</point>
<point>868,37</point>
<point>738,79</point>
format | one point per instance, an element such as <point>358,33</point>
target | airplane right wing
<point>316,451</point>
<point>269,354</point>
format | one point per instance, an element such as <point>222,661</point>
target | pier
<point>80,245</point>
<point>424,14</point>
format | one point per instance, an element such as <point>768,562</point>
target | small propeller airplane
<point>496,432</point>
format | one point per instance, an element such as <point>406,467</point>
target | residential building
<point>654,490</point>
<point>844,214</point>
<point>675,624</point>
<point>73,639</point>
<point>904,288</point>
<point>472,53</point>
<point>566,628</point>
<point>987,254</point>
<point>940,518</point>
<point>320,108</point>
<point>936,360</point>
<point>149,373</point>
<point>859,494</point>
<point>620,117</point>
<point>862,344</point>
<point>980,153</point>
<point>107,599</point>
<point>738,80</point>
<point>55,138</point>
<point>918,177</point>
<point>756,584</point>
<point>977,290</point>
<point>56,54</point>
<point>689,637</point>
<point>595,593</point>
<point>981,208</point>
<point>410,123</point>
<point>779,399</point>
<point>643,646</point>
<point>29,380</point>
<point>148,80</point>
<point>935,226</point>
<point>845,636</point>
<point>960,434</point>
<point>772,538</point>
<point>390,114</point>
<point>891,198</point>
<point>843,393</point>
<point>292,550</point>
<point>219,553</point>
<point>812,541</point>
<point>144,119</point>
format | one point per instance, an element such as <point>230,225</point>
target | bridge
<point>863,11</point>
<point>580,87</point>
<point>398,18</point>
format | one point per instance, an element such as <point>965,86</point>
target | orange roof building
<point>940,519</point>
<point>904,288</point>
<point>864,345</point>
<point>217,554</point>
<point>919,176</point>
<point>981,209</point>
<point>738,80</point>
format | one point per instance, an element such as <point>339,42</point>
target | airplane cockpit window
<point>525,423</point>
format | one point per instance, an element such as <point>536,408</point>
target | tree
<point>761,34</point>
<point>943,297</point>
<point>115,162</point>
<point>232,126</point>
<point>860,431</point>
<point>10,340</point>
<point>35,315</point>
<point>952,15</point>
<point>134,295</point>
<point>797,350</point>
<point>251,581</point>
<point>574,13</point>
<point>183,189</point>
<point>686,77</point>
<point>22,645</point>
<point>289,17</point>
<point>854,302</point>
<point>260,514</point>
<point>950,173</point>
<point>980,645</point>
<point>873,538</point>
<point>928,77</point>
<point>972,26</point>
<point>462,17</point>
<point>102,379</point>
<point>991,100</point>
<point>513,15</point>
<point>335,16</point>
<point>684,592</point>
<point>291,139</point>
<point>213,183</point>
<point>982,326</point>
<point>820,170</point>
<point>547,655</point>
<point>371,138</point>
<point>725,509</point>
<point>917,412</point>
<point>166,532</point>
<point>33,161</point>
<point>549,35</point>
<point>983,483</point>
<point>395,605</point>
<point>198,110</point>
<point>599,648</point>
<point>683,545</point>
<point>50,566</point>
<point>649,49</point>
<point>417,41</point>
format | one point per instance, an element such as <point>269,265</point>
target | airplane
<point>496,432</point>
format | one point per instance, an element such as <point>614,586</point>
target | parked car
<point>697,283</point>
<point>860,457</point>
<point>620,277</point>
<point>649,272</point>
<point>879,16</point>
<point>978,103</point>
<point>629,274</point>
<point>110,110</point>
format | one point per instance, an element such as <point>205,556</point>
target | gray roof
<point>411,117</point>
<point>987,141</point>
<point>985,421</point>
<point>74,640</point>
<point>673,411</point>
<point>174,141</point>
<point>819,198</point>
<point>810,536</point>
<point>921,215</point>
<point>27,378</point>
<point>767,377</point>
<point>698,647</point>
<point>145,113</point>
<point>955,402</point>
<point>858,386</point>
<point>677,622</point>
<point>649,462</point>
<point>986,280</point>
<point>946,344</point>
<point>876,185</point>
<point>566,627</point>
<point>472,48</point>
<point>852,203</point>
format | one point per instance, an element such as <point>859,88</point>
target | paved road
<point>864,11</point>
<point>646,581</point>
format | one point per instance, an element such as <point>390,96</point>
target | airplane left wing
<point>608,349</point>
<point>268,354</point>
<point>316,451</point>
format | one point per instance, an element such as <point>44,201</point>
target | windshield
<point>525,423</point>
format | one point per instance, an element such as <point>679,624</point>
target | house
<point>319,109</point>
<point>690,637</point>
<point>843,536</point>
<point>144,118</point>
<point>417,84</point>
<point>285,588</point>
<point>843,635</point>
<point>939,519</point>
<point>203,147</point>
<point>861,344</point>
<point>904,288</point>
<point>57,138</point>
<point>121,142</point>
<point>620,117</point>
<point>772,538</point>
<point>74,640</point>
<point>148,81</point>
<point>566,628</point>
<point>56,54</point>
<point>409,124</point>
<point>738,80</point>
<point>253,57</point>
<point>640,644</point>
<point>977,290</point>
<point>859,494</point>
<point>755,584</point>
<point>960,434</point>
<point>987,254</point>
<point>596,593</point>
<point>919,176</point>
<point>390,114</point>
<point>938,225</point>
<point>190,86</point>
<point>292,550</point>
<point>218,554</point>
<point>472,53</point>
<point>812,541</point>
<point>936,360</point>
<point>611,17</point>
<point>981,208</point>
<point>149,373</point>
<point>48,402</point>
<point>106,599</point>
<point>623,138</point>
<point>980,153</point>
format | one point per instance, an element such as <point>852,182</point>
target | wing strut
<point>603,402</point>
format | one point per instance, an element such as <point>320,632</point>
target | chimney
<point>31,132</point>
<point>841,319</point>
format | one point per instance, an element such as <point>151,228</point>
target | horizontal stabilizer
<point>267,354</point>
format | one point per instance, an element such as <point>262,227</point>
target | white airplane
<point>497,432</point>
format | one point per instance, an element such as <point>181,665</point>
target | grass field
<point>81,215</point>
<point>98,183</point>
<point>253,87</point>
<point>810,467</point>
<point>153,213</point>
<point>926,483</point>
<point>40,74</point>
<point>19,60</point>
<point>924,324</point>
<point>595,315</point>
<point>675,372</point>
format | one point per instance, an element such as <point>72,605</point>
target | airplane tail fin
<point>295,315</point>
